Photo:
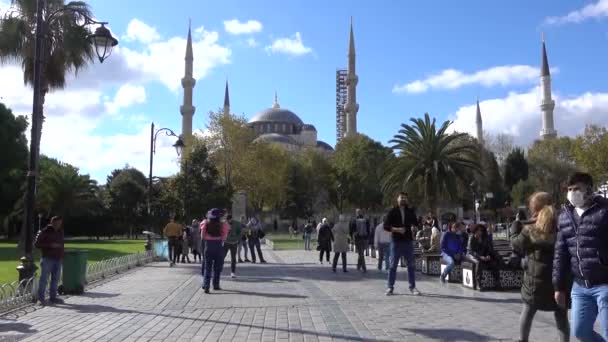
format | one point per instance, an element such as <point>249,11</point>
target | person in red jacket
<point>50,243</point>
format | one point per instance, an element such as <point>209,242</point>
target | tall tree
<point>429,155</point>
<point>492,181</point>
<point>516,168</point>
<point>361,162</point>
<point>590,150</point>
<point>200,184</point>
<point>500,144</point>
<point>551,161</point>
<point>66,44</point>
<point>13,159</point>
<point>127,189</point>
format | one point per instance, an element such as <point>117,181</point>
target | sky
<point>413,57</point>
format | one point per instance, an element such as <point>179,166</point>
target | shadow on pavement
<point>249,279</point>
<point>258,294</point>
<point>94,308</point>
<point>99,295</point>
<point>477,299</point>
<point>449,334</point>
<point>16,327</point>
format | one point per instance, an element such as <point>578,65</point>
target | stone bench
<point>456,275</point>
<point>510,278</point>
<point>431,263</point>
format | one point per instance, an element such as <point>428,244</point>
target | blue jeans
<point>213,262</point>
<point>402,249</point>
<point>450,264</point>
<point>587,305</point>
<point>52,266</point>
<point>307,238</point>
<point>384,254</point>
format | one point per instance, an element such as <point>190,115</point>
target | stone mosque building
<point>278,125</point>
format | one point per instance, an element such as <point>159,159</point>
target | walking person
<point>50,243</point>
<point>382,241</point>
<point>581,252</point>
<point>243,243</point>
<point>231,243</point>
<point>173,232</point>
<point>195,233</point>
<point>537,242</point>
<point>360,232</point>
<point>255,234</point>
<point>399,221</point>
<point>324,239</point>
<point>340,232</point>
<point>453,249</point>
<point>213,234</point>
<point>185,247</point>
<point>308,230</point>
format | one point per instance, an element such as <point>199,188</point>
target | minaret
<point>547,104</point>
<point>479,124</point>
<point>187,109</point>
<point>226,101</point>
<point>352,107</point>
<point>275,105</point>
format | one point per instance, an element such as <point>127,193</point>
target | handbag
<point>261,234</point>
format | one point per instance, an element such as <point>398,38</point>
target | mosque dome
<point>276,114</point>
<point>308,127</point>
<point>325,146</point>
<point>276,138</point>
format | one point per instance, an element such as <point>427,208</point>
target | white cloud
<point>292,46</point>
<point>137,30</point>
<point>234,26</point>
<point>126,96</point>
<point>596,10</point>
<point>452,79</point>
<point>252,42</point>
<point>519,114</point>
<point>164,60</point>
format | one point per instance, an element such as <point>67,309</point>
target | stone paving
<point>292,298</point>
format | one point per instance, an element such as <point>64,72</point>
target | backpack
<point>214,228</point>
<point>361,227</point>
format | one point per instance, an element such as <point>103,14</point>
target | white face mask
<point>577,198</point>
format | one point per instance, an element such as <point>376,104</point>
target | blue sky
<point>448,52</point>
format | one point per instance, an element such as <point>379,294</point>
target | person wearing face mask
<point>581,253</point>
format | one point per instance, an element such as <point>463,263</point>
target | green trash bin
<point>74,271</point>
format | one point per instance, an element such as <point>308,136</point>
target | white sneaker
<point>415,292</point>
<point>232,275</point>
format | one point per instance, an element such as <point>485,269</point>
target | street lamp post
<point>103,42</point>
<point>179,147</point>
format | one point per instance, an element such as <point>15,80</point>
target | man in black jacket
<point>399,221</point>
<point>359,229</point>
<point>581,252</point>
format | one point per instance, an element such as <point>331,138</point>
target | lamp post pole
<point>179,146</point>
<point>104,42</point>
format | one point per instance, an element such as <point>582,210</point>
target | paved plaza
<point>292,298</point>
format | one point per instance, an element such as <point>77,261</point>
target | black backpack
<point>214,228</point>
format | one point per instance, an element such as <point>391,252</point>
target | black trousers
<point>321,255</point>
<point>493,265</point>
<point>361,246</point>
<point>173,252</point>
<point>254,244</point>
<point>336,255</point>
<point>232,248</point>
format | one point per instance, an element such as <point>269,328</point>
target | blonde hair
<point>540,205</point>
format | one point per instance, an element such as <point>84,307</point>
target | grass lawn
<point>282,242</point>
<point>98,250</point>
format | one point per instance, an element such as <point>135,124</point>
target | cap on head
<point>215,214</point>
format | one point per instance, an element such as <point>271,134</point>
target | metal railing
<point>16,294</point>
<point>104,268</point>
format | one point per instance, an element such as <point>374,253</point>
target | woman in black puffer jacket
<point>536,242</point>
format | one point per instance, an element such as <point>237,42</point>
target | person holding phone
<point>399,221</point>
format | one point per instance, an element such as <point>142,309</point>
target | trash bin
<point>74,271</point>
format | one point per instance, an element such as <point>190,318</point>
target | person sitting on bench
<point>423,236</point>
<point>482,254</point>
<point>452,249</point>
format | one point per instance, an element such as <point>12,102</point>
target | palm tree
<point>66,47</point>
<point>432,159</point>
